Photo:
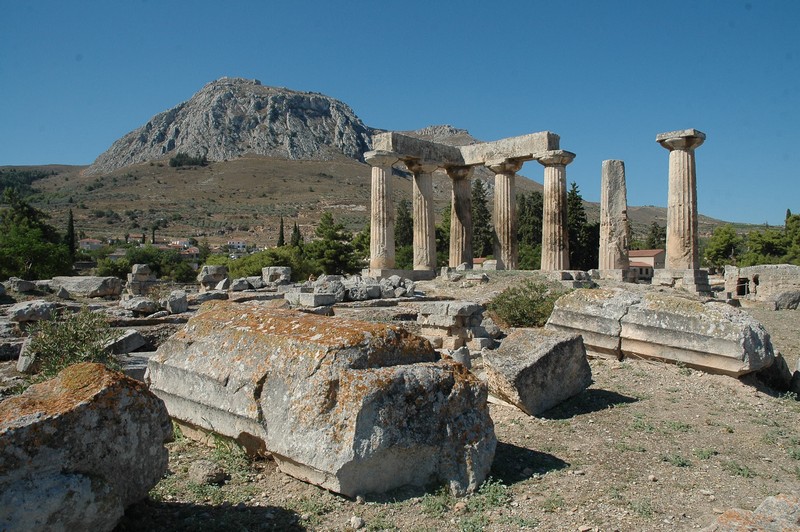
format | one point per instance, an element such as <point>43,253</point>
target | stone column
<point>555,239</point>
<point>424,226</point>
<point>381,244</point>
<point>505,214</point>
<point>460,216</point>
<point>614,229</point>
<point>682,248</point>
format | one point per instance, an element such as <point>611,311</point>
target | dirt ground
<point>647,447</point>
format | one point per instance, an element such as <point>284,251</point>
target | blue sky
<point>605,75</point>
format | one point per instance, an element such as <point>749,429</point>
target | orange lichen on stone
<point>75,384</point>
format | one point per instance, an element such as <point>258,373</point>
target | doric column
<point>614,229</point>
<point>505,213</point>
<point>381,243</point>
<point>424,227</point>
<point>682,249</point>
<point>460,216</point>
<point>555,240</point>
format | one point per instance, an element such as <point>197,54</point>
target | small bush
<point>79,337</point>
<point>184,159</point>
<point>528,305</point>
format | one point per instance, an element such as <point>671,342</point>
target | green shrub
<point>184,159</point>
<point>80,337</point>
<point>528,305</point>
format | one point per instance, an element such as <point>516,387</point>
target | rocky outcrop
<point>231,117</point>
<point>775,514</point>
<point>711,335</point>
<point>537,369</point>
<point>78,449</point>
<point>354,407</point>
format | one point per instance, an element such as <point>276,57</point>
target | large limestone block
<point>89,286</point>
<point>537,369</point>
<point>78,449</point>
<point>352,406</point>
<point>33,310</point>
<point>712,336</point>
<point>594,314</point>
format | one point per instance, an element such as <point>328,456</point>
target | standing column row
<point>555,239</point>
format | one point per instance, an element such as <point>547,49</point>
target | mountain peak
<point>231,117</point>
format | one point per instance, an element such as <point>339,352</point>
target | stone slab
<point>680,133</point>
<point>537,369</point>
<point>524,147</point>
<point>354,407</point>
<point>424,151</point>
<point>305,299</point>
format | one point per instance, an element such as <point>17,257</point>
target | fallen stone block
<point>239,285</point>
<point>78,449</point>
<point>130,340</point>
<point>595,315</point>
<point>176,302</point>
<point>304,299</point>
<point>537,369</point>
<point>255,282</point>
<point>789,300</point>
<point>134,365</point>
<point>354,407</point>
<point>15,284</point>
<point>211,275</point>
<point>276,274</point>
<point>710,336</point>
<point>34,310</point>
<point>139,305</point>
<point>211,295</point>
<point>775,514</point>
<point>89,286</point>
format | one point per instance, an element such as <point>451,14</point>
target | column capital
<point>684,139</point>
<point>556,158</point>
<point>505,166</point>
<point>415,166</point>
<point>458,172</point>
<point>380,158</point>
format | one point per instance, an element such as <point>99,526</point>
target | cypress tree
<point>482,232</point>
<point>71,237</point>
<point>281,238</point>
<point>404,224</point>
<point>297,239</point>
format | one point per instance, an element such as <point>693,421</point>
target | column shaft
<point>381,244</point>
<point>424,227</point>
<point>555,237</point>
<point>460,217</point>
<point>505,215</point>
<point>682,245</point>
<point>614,229</point>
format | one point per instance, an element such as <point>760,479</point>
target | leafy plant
<point>705,454</point>
<point>739,470</point>
<point>677,460</point>
<point>528,305</point>
<point>80,337</point>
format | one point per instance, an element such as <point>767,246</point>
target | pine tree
<point>281,238</point>
<point>482,232</point>
<point>584,239</point>
<point>70,240</point>
<point>656,237</point>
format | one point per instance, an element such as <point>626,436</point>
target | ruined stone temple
<point>505,158</point>
<point>683,259</point>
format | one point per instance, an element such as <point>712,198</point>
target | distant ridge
<point>231,117</point>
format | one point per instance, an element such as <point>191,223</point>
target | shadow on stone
<point>159,516</point>
<point>514,464</point>
<point>590,400</point>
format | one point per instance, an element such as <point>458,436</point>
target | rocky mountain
<point>231,117</point>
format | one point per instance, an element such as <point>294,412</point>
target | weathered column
<point>682,248</point>
<point>460,216</point>
<point>555,239</point>
<point>424,226</point>
<point>614,229</point>
<point>381,244</point>
<point>505,214</point>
